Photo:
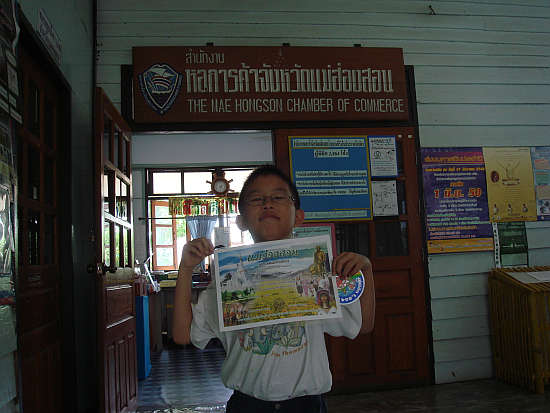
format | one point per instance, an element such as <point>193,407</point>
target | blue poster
<point>455,197</point>
<point>332,177</point>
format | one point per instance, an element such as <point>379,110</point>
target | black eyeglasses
<point>277,199</point>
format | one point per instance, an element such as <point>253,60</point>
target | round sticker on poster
<point>351,288</point>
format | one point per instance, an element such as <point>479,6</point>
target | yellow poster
<point>510,187</point>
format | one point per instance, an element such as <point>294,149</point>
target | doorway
<point>397,352</point>
<point>171,200</point>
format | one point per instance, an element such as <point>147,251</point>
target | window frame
<point>151,198</point>
<point>160,223</point>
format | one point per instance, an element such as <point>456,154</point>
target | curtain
<point>201,226</point>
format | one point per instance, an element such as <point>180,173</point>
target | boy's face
<point>269,220</point>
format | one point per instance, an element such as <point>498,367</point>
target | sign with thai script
<point>331,174</point>
<point>264,84</point>
<point>275,282</point>
<point>383,156</point>
<point>455,195</point>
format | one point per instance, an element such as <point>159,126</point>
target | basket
<point>520,327</point>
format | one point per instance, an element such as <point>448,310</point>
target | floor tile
<point>187,380</point>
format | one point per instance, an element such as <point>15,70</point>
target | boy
<point>282,367</point>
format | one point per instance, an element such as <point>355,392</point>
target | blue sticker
<point>351,288</point>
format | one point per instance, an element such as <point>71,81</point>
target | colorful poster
<point>510,188</point>
<point>540,156</point>
<point>511,248</point>
<point>332,177</point>
<point>383,156</point>
<point>275,282</point>
<point>455,198</point>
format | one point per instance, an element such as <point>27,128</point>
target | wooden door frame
<point>115,296</point>
<point>30,41</point>
<point>337,347</point>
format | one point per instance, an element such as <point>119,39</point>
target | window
<point>188,191</point>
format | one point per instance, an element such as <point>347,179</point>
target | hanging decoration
<point>202,206</point>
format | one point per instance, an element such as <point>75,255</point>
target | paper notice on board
<point>540,156</point>
<point>384,195</point>
<point>510,187</point>
<point>383,155</point>
<point>513,248</point>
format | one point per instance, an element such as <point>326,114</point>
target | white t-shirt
<point>276,362</point>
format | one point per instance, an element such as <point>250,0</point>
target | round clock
<point>219,185</point>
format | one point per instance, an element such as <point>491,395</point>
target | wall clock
<point>219,185</point>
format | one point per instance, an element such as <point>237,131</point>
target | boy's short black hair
<point>264,171</point>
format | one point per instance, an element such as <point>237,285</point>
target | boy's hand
<point>349,263</point>
<point>195,251</point>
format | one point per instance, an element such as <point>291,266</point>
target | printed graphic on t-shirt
<point>279,339</point>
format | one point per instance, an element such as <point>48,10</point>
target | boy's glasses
<point>277,199</point>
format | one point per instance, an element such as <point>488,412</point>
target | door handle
<point>109,268</point>
<point>100,268</point>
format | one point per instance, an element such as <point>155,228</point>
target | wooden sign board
<point>175,84</point>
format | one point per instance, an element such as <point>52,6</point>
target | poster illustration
<point>455,198</point>
<point>275,282</point>
<point>331,174</point>
<point>510,188</point>
<point>540,156</point>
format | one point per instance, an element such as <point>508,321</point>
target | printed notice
<point>384,198</point>
<point>455,197</point>
<point>383,156</point>
<point>510,188</point>
<point>512,244</point>
<point>332,177</point>
<point>275,282</point>
<point>540,156</point>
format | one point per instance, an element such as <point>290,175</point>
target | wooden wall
<point>482,73</point>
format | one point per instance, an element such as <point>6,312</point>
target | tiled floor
<point>188,381</point>
<point>184,377</point>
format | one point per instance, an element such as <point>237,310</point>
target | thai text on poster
<point>332,177</point>
<point>275,282</point>
<point>456,200</point>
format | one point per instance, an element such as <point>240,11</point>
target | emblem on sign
<point>160,85</point>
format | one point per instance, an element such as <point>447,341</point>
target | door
<point>42,210</point>
<point>116,322</point>
<point>397,351</point>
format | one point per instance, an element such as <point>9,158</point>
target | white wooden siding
<point>482,74</point>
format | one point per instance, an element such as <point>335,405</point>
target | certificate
<point>275,282</point>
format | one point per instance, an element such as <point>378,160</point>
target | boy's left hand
<point>347,264</point>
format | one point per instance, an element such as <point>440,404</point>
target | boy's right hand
<point>194,252</point>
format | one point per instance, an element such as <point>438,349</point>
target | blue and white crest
<point>160,85</point>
